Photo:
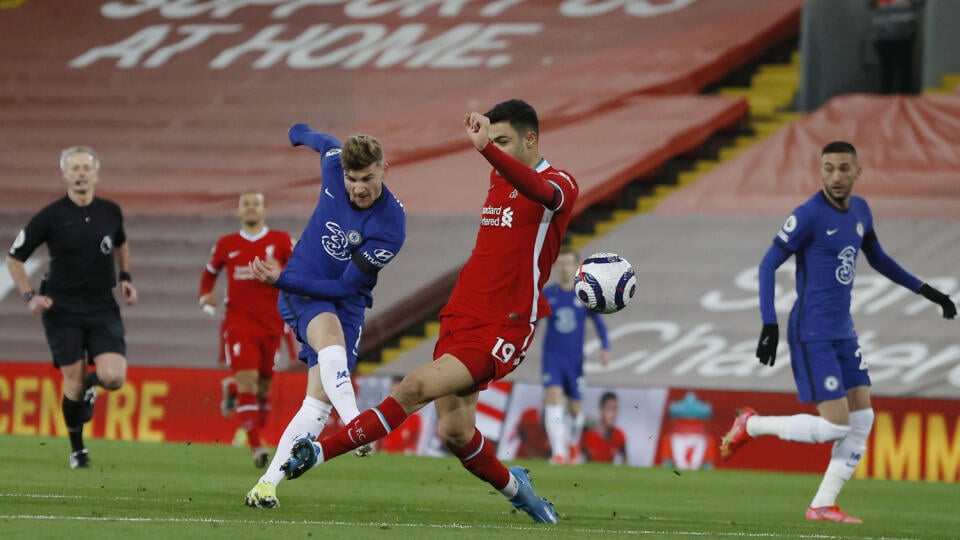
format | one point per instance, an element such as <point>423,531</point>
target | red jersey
<point>250,306</point>
<point>605,450</point>
<point>517,244</point>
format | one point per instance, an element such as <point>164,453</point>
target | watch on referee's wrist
<point>28,296</point>
<point>124,276</point>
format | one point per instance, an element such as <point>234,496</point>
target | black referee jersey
<point>81,241</point>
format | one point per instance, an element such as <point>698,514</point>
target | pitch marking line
<point>82,497</point>
<point>434,526</point>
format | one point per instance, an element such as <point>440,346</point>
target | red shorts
<point>244,351</point>
<point>489,351</point>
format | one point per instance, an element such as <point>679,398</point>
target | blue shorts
<point>561,370</point>
<point>298,311</point>
<point>825,370</point>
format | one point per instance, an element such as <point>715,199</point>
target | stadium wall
<point>913,439</point>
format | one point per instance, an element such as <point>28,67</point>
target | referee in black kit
<point>84,235</point>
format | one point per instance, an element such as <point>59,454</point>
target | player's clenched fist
<point>477,126</point>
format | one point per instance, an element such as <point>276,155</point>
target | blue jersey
<point>565,327</point>
<point>826,242</point>
<point>339,234</point>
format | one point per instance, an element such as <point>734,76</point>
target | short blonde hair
<point>79,150</point>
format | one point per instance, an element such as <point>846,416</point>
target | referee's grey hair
<point>79,150</point>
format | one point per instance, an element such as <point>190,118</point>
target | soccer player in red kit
<point>489,321</point>
<point>252,327</point>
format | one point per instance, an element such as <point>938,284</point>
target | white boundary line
<point>82,497</point>
<point>384,525</point>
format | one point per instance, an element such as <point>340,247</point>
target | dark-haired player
<point>252,327</point>
<point>489,321</point>
<point>825,234</point>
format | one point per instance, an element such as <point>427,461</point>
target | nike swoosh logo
<point>327,191</point>
<point>232,254</point>
<point>341,384</point>
<point>831,232</point>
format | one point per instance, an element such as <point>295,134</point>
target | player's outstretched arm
<point>302,135</point>
<point>349,283</point>
<point>525,179</point>
<point>883,263</point>
<point>937,297</point>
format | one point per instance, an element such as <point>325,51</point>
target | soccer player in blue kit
<point>357,228</point>
<point>825,234</point>
<point>563,361</point>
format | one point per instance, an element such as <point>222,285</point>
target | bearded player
<point>489,321</point>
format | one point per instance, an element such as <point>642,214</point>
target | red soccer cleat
<point>831,513</point>
<point>737,436</point>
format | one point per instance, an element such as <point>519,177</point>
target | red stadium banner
<point>912,439</point>
<point>156,404</point>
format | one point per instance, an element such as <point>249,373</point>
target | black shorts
<point>75,336</point>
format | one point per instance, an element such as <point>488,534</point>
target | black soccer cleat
<point>80,459</point>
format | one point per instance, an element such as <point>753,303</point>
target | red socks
<point>477,456</point>
<point>248,415</point>
<point>480,458</point>
<point>369,426</point>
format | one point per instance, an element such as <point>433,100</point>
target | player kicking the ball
<point>357,228</point>
<point>489,321</point>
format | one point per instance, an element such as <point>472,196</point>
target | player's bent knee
<point>454,438</point>
<point>828,431</point>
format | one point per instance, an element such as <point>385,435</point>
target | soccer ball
<point>605,282</point>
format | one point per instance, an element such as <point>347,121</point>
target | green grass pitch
<point>179,491</point>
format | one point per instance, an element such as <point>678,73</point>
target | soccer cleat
<point>89,397</point>
<point>737,436</point>
<point>558,460</point>
<point>303,456</point>
<point>261,456</point>
<point>575,457</point>
<point>80,459</point>
<point>263,495</point>
<point>229,400</point>
<point>527,500</point>
<point>364,450</point>
<point>831,513</point>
